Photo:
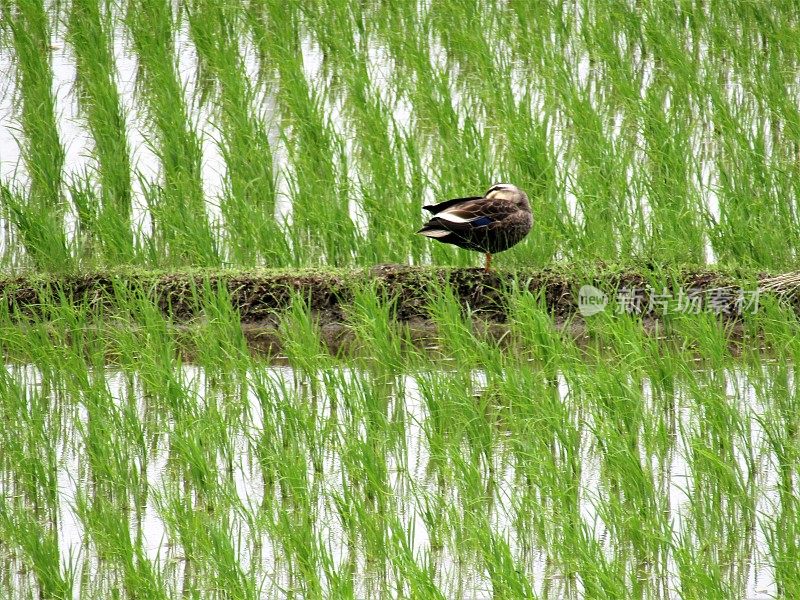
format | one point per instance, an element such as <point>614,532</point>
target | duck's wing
<point>464,218</point>
<point>437,208</point>
<point>475,211</point>
<point>458,216</point>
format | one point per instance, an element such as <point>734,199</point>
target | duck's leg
<point>488,262</point>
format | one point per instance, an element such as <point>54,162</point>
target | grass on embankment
<point>406,295</point>
<point>258,291</point>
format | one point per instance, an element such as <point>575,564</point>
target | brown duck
<point>490,223</point>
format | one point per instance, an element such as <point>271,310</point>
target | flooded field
<point>273,133</point>
<point>346,482</point>
<point>148,146</point>
<point>631,467</point>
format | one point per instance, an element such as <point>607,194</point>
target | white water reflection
<point>415,491</point>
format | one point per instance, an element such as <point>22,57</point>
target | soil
<point>261,296</point>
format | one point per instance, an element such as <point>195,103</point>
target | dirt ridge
<point>260,296</point>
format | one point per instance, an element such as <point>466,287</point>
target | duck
<point>491,223</point>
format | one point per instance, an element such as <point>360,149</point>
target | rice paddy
<point>147,455</point>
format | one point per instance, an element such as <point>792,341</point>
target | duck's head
<point>508,191</point>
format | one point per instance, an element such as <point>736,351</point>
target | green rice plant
<point>377,156</point>
<point>534,332</point>
<point>248,204</point>
<point>37,214</point>
<point>663,132</point>
<point>146,347</point>
<point>365,456</point>
<point>29,443</point>
<point>300,337</point>
<point>414,577</point>
<point>111,534</point>
<point>289,503</point>
<point>218,339</point>
<point>722,509</point>
<point>182,234</point>
<point>755,224</point>
<point>19,528</point>
<point>601,188</point>
<point>779,423</point>
<point>507,578</point>
<point>769,332</point>
<point>755,158</point>
<point>459,418</point>
<point>41,231</point>
<point>503,439</point>
<point>29,516</point>
<point>470,47</point>
<point>379,159</point>
<point>629,503</point>
<point>454,327</point>
<point>321,229</point>
<point>776,415</point>
<point>85,199</point>
<point>208,543</point>
<point>382,341</point>
<point>528,160</point>
<point>545,443</point>
<point>90,32</point>
<point>675,220</point>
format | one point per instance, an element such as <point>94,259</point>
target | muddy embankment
<point>260,297</point>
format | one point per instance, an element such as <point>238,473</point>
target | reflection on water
<point>274,484</point>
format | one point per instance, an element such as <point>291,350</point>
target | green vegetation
<point>654,459</point>
<point>625,468</point>
<point>657,130</point>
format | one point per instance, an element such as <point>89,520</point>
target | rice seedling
<point>38,212</point>
<point>248,203</point>
<point>147,452</point>
<point>372,321</point>
<point>584,471</point>
<point>106,218</point>
<point>662,132</point>
<point>182,233</point>
<point>321,228</point>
